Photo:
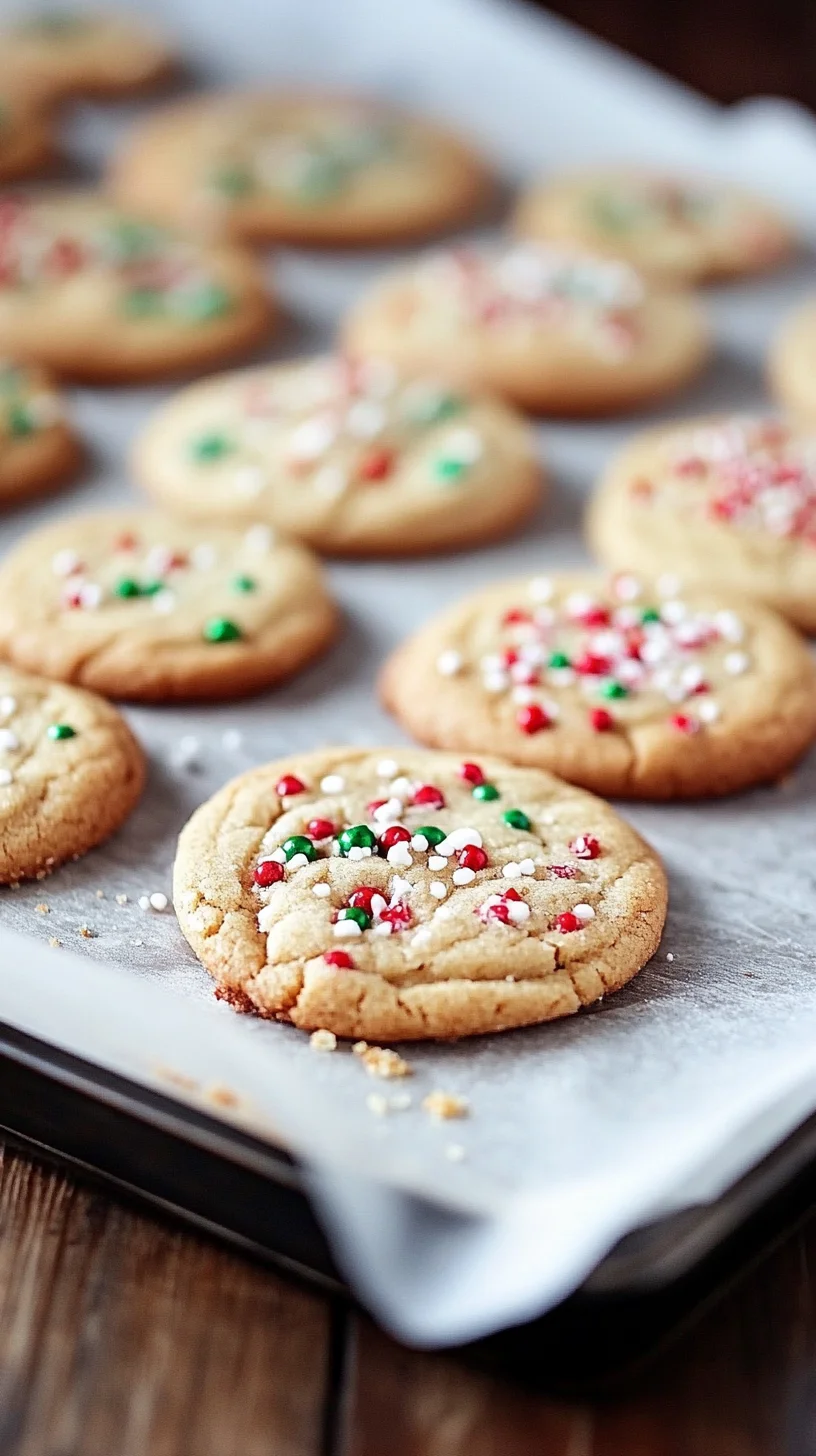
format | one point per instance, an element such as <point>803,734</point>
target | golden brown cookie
<point>727,501</point>
<point>685,229</point>
<point>626,687</point>
<point>347,455</point>
<point>319,169</point>
<point>38,449</point>
<point>68,52</point>
<point>403,894</point>
<point>792,364</point>
<point>139,606</point>
<point>26,140</point>
<point>97,293</point>
<point>70,773</point>
<point>551,329</point>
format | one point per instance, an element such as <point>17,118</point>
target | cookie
<point>26,141</point>
<point>96,293</point>
<point>622,686</point>
<point>345,454</point>
<point>729,501</point>
<point>683,229</point>
<point>83,53</point>
<point>139,606</point>
<point>38,449</point>
<point>300,168</point>
<point>70,773</point>
<point>551,329</point>
<point>408,895</point>
<point>792,364</point>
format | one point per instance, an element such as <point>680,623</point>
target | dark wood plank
<point>123,1336</point>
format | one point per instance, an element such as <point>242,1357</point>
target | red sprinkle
<point>683,723</point>
<point>512,894</point>
<point>429,794</point>
<point>340,959</point>
<point>594,617</point>
<point>591,664</point>
<point>126,542</point>
<point>374,805</point>
<point>567,922</point>
<point>289,785</point>
<point>471,773</point>
<point>65,256</point>
<point>394,834</point>
<point>320,828</point>
<point>533,719</point>
<point>362,897</point>
<point>586,846</point>
<point>472,858</point>
<point>498,912</point>
<point>601,721</point>
<point>376,465</point>
<point>565,872</point>
<point>398,915</point>
<point>268,872</point>
<point>514,616</point>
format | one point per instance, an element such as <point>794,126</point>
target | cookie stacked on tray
<point>475,884</point>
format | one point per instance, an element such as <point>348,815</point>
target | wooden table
<point>122,1335</point>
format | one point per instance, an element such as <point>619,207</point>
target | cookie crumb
<point>42,908</point>
<point>323,1041</point>
<point>401,1101</point>
<point>381,1061</point>
<point>377,1104</point>
<point>100,894</point>
<point>669,956</point>
<point>178,1079</point>
<point>121,899</point>
<point>455,1153</point>
<point>86,932</point>
<point>52,940</point>
<point>443,1106</point>
<point>222,1096</point>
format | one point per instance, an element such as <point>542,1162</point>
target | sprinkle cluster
<point>452,858</point>
<point>540,287</point>
<point>611,653</point>
<point>639,202</point>
<point>308,158</point>
<point>158,276</point>
<point>748,473</point>
<point>338,424</point>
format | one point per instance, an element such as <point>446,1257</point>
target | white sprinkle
<point>331,481</point>
<point>518,910</point>
<point>541,589</point>
<point>729,626</point>
<point>455,1153</point>
<point>266,918</point>
<point>186,751</point>
<point>158,901</point>
<point>708,711</point>
<point>311,438</point>
<point>419,843</point>
<point>248,480</point>
<point>463,445</point>
<point>673,612</point>
<point>278,855</point>
<point>232,740</point>
<point>511,870</point>
<point>437,862</point>
<point>378,904</point>
<point>438,890</point>
<point>203,556</point>
<point>463,876</point>
<point>144,902</point>
<point>449,663</point>
<point>668,584</point>
<point>6,777</point>
<point>527,866</point>
<point>65,563</point>
<point>402,788</point>
<point>90,595</point>
<point>298,862</point>
<point>321,890</point>
<point>387,768</point>
<point>376,1103</point>
<point>8,705</point>
<point>669,956</point>
<point>259,539</point>
<point>164,602</point>
<point>495,682</point>
<point>627,588</point>
<point>400,855</point>
<point>359,851</point>
<point>523,695</point>
<point>584,912</point>
<point>736,663</point>
<point>346,929</point>
<point>422,936</point>
<point>383,928</point>
<point>578,604</point>
<point>8,740</point>
<point>459,839</point>
<point>400,887</point>
<point>333,784</point>
<point>388,812</point>
<point>365,419</point>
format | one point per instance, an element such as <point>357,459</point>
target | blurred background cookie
<point>792,363</point>
<point>26,131</point>
<point>38,448</point>
<point>62,52</point>
<point>554,330</point>
<point>300,168</point>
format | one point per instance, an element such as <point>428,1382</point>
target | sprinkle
<point>486,792</point>
<point>438,889</point>
<point>533,719</point>
<point>567,922</point>
<point>311,439</point>
<point>449,663</point>
<point>6,777</point>
<point>221,629</point>
<point>443,1106</point>
<point>708,711</point>
<point>323,1041</point>
<point>59,731</point>
<point>203,556</point>
<point>729,626</point>
<point>321,890</point>
<point>471,773</point>
<point>400,855</point>
<point>601,721</point>
<point>8,740</point>
<point>65,563</point>
<point>8,705</point>
<point>457,840</point>
<point>268,872</point>
<point>736,663</point>
<point>339,959</point>
<point>259,539</point>
<point>158,901</point>
<point>288,786</point>
<point>387,768</point>
<point>585,913</point>
<point>541,589</point>
<point>231,740</point>
<point>668,584</point>
<point>248,481</point>
<point>244,584</point>
<point>376,465</point>
<point>376,1103</point>
<point>684,723</point>
<point>347,929</point>
<point>121,899</point>
<point>332,784</point>
<point>585,846</point>
<point>463,876</point>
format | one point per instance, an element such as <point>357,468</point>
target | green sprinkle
<point>486,792</point>
<point>433,835</point>
<point>127,587</point>
<point>210,447</point>
<point>448,469</point>
<point>221,629</point>
<point>132,239</point>
<point>244,583</point>
<point>320,177</point>
<point>60,730</point>
<point>353,912</point>
<point>516,819</point>
<point>435,409</point>
<point>208,302</point>
<point>650,614</point>
<point>614,690</point>
<point>357,836</point>
<point>143,303</point>
<point>559,659</point>
<point>299,844</point>
<point>20,421</point>
<point>233,181</point>
<point>151,588</point>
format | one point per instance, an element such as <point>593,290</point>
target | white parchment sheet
<point>578,1131</point>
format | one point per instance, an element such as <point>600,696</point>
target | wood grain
<point>121,1336</point>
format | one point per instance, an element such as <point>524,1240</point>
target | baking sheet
<point>583,1128</point>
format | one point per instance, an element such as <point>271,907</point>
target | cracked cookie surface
<point>347,455</point>
<point>729,500</point>
<point>626,686</point>
<point>139,606</point>
<point>404,894</point>
<point>70,773</point>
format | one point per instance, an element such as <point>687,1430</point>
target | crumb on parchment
<point>445,1105</point>
<point>323,1041</point>
<point>381,1061</point>
<point>42,908</point>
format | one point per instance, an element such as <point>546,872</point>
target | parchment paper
<point>578,1131</point>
